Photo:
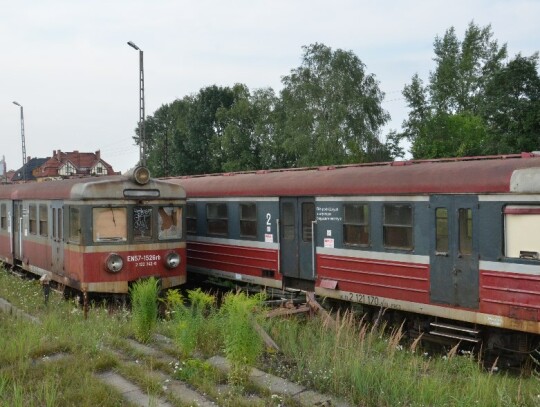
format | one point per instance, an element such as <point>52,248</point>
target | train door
<point>297,247</point>
<point>17,231</point>
<point>454,250</point>
<point>57,237</point>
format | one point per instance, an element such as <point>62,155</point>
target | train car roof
<point>104,187</point>
<point>494,174</point>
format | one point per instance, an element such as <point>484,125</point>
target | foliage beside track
<point>363,363</point>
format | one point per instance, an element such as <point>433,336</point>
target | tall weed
<point>144,308</point>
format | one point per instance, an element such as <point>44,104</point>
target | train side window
<point>288,221</point>
<point>109,224</point>
<point>356,224</point>
<point>32,219</point>
<point>441,230</point>
<point>169,222</point>
<point>74,225</point>
<point>3,216</point>
<point>142,222</point>
<point>217,219</point>
<point>43,220</point>
<point>398,226</point>
<point>465,231</point>
<point>191,218</point>
<point>521,226</point>
<point>248,220</point>
<point>60,223</point>
<point>308,216</point>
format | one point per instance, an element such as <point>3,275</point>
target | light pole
<point>142,138</point>
<point>23,143</point>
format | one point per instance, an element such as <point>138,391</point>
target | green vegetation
<point>55,362</point>
<point>144,307</point>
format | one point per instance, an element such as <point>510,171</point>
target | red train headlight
<point>114,263</point>
<point>172,260</point>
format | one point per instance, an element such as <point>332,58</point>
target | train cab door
<point>57,237</point>
<point>297,246</point>
<point>454,260</point>
<point>18,226</point>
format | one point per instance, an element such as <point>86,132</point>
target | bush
<point>144,308</point>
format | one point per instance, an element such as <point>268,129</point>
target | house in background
<point>26,172</point>
<point>72,164</point>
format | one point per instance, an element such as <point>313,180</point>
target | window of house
<point>356,224</point>
<point>3,216</point>
<point>398,226</point>
<point>441,232</point>
<point>43,220</point>
<point>169,222</point>
<point>74,225</point>
<point>32,219</point>
<point>248,220</point>
<point>142,222</point>
<point>521,231</point>
<point>191,218</point>
<point>109,224</point>
<point>217,219</point>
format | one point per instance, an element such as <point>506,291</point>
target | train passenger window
<point>109,224</point>
<point>521,226</point>
<point>217,219</point>
<point>191,218</point>
<point>441,232</point>
<point>142,222</point>
<point>356,224</point>
<point>3,216</point>
<point>308,216</point>
<point>398,226</point>
<point>74,225</point>
<point>287,221</point>
<point>169,222</point>
<point>465,231</point>
<point>43,220</point>
<point>248,220</point>
<point>32,219</point>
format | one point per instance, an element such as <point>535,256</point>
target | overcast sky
<point>68,64</point>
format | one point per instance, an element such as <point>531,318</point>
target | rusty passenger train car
<point>96,235</point>
<point>453,244</point>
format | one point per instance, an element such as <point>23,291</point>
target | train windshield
<point>142,223</point>
<point>110,224</point>
<point>169,222</point>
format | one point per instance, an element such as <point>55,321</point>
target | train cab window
<point>142,222</point>
<point>398,226</point>
<point>521,226</point>
<point>308,216</point>
<point>32,219</point>
<point>287,221</point>
<point>248,220</point>
<point>441,232</point>
<point>217,219</point>
<point>465,231</point>
<point>191,218</point>
<point>169,222</point>
<point>3,216</point>
<point>43,220</point>
<point>74,225</point>
<point>109,224</point>
<point>356,224</point>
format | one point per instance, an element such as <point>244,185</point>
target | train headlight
<point>141,175</point>
<point>114,263</point>
<point>172,260</point>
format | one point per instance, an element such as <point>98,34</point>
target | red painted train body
<point>97,234</point>
<point>454,241</point>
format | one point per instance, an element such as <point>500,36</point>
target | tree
<point>446,117</point>
<point>332,109</point>
<point>512,106</point>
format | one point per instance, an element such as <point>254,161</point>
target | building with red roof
<point>72,164</point>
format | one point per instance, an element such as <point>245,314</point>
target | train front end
<point>123,230</point>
